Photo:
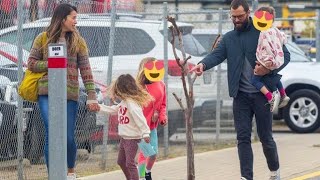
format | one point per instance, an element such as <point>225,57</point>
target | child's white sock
<point>142,179</point>
<point>147,170</point>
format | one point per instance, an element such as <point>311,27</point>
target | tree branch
<point>173,45</point>
<point>216,42</point>
<point>188,92</point>
<point>183,73</point>
<point>179,101</point>
<point>175,26</point>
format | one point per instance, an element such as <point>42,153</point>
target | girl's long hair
<point>141,78</point>
<point>127,88</point>
<point>55,28</point>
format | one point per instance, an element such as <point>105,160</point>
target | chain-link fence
<point>138,33</point>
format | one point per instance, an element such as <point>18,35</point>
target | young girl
<point>132,123</point>
<point>154,112</point>
<point>270,55</point>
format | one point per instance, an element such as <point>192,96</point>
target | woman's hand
<point>94,107</point>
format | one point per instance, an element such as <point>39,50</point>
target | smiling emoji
<point>262,20</point>
<point>154,71</point>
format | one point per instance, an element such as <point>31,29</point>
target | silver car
<point>301,81</point>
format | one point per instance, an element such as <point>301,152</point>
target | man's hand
<point>93,107</point>
<point>260,70</point>
<point>198,69</point>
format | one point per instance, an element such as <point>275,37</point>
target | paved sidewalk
<point>298,156</point>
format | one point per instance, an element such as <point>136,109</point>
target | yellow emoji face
<point>262,20</point>
<point>154,70</point>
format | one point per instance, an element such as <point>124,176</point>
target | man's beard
<point>243,25</point>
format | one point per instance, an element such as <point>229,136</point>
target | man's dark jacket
<point>235,46</point>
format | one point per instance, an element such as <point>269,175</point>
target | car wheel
<point>302,112</point>
<point>34,141</point>
<point>85,128</point>
<point>8,132</point>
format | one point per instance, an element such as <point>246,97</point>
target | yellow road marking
<point>311,175</point>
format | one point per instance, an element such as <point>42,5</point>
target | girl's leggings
<point>72,109</point>
<point>127,153</point>
<point>147,162</point>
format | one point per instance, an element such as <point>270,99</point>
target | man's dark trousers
<point>245,105</point>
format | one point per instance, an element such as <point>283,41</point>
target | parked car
<point>305,43</point>
<point>300,79</point>
<point>135,39</point>
<point>33,126</point>
<point>206,37</point>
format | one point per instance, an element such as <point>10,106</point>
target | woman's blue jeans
<point>72,109</point>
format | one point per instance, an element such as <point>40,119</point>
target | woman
<point>62,29</point>
<point>155,113</point>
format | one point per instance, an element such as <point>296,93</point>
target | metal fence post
<point>218,105</point>
<point>57,93</point>
<point>318,36</point>
<point>314,2</point>
<point>109,77</point>
<point>20,101</point>
<point>255,5</point>
<point>165,58</point>
<point>176,9</point>
<point>105,5</point>
<point>274,2</point>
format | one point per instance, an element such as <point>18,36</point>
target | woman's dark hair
<point>55,28</point>
<point>236,3</point>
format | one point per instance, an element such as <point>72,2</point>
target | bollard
<point>57,92</point>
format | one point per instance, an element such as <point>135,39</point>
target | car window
<point>206,40</point>
<point>296,54</point>
<point>28,36</point>
<point>190,43</point>
<point>4,61</point>
<point>128,41</point>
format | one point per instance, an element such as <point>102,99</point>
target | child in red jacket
<point>155,111</point>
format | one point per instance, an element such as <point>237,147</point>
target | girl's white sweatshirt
<point>132,123</point>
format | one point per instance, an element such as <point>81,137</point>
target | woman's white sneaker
<point>71,176</point>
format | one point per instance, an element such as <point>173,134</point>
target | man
<point>239,48</point>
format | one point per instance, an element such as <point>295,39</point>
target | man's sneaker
<point>243,178</point>
<point>148,176</point>
<point>275,175</point>
<point>71,176</point>
<point>284,101</point>
<point>274,102</point>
